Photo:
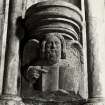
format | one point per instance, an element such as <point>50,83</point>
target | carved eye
<point>48,44</point>
<point>56,42</point>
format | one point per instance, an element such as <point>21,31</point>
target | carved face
<point>52,49</point>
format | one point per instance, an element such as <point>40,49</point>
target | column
<point>96,51</point>
<point>1,37</point>
<point>4,8</point>
<point>84,83</point>
<point>12,53</point>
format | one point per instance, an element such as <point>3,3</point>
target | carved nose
<point>53,45</point>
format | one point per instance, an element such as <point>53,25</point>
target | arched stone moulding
<point>54,16</point>
<point>74,2</point>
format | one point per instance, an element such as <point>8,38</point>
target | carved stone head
<point>53,47</point>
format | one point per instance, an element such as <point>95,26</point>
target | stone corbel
<point>56,17</point>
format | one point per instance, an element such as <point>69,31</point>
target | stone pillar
<point>96,51</point>
<point>75,2</point>
<point>12,55</point>
<point>1,37</point>
<point>84,84</point>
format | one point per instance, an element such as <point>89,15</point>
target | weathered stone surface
<point>1,58</point>
<point>10,83</point>
<point>96,51</point>
<point>95,101</point>
<point>51,51</point>
<point>54,103</point>
<point>2,42</point>
<point>75,2</point>
<point>52,25</point>
<point>84,84</point>
<point>59,15</point>
<point>96,48</point>
<point>12,51</point>
<point>54,98</point>
<point>10,100</point>
<point>71,70</point>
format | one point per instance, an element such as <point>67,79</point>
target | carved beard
<point>52,56</point>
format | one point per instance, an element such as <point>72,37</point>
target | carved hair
<point>62,40</point>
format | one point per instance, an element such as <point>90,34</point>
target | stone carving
<point>71,77</point>
<point>52,69</point>
<point>52,50</point>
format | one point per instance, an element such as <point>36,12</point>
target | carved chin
<point>52,61</point>
<point>52,58</point>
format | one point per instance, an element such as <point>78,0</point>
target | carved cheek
<point>58,48</point>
